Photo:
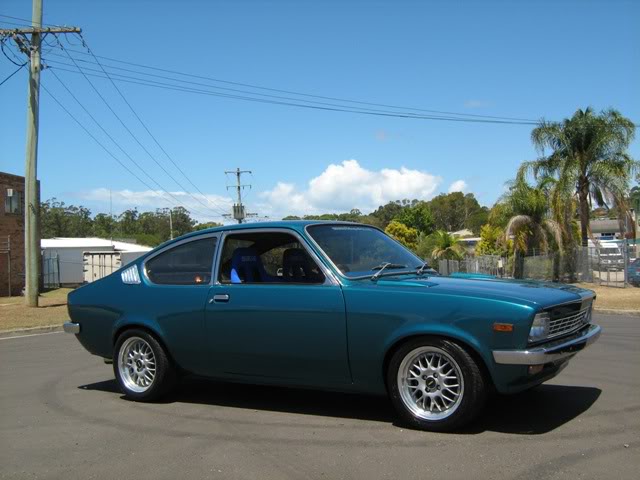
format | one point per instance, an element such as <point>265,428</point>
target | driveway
<point>62,417</point>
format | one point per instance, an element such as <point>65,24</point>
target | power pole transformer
<point>239,211</point>
<point>29,41</point>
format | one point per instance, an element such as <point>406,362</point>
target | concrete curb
<point>30,331</point>
<point>616,311</point>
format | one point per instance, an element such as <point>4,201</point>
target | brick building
<point>12,234</point>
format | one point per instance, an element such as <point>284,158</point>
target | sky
<point>521,59</point>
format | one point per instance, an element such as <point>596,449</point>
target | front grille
<point>568,324</point>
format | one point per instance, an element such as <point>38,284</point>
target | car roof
<point>298,225</point>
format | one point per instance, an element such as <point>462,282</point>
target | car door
<point>280,328</point>
<point>177,281</point>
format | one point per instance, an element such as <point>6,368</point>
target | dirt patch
<point>52,311</point>
<point>612,298</point>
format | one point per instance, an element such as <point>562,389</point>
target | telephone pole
<point>32,48</point>
<point>239,212</point>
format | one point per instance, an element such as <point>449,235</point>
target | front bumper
<point>549,352</point>
<point>71,327</point>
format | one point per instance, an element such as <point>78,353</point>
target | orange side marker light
<point>503,327</point>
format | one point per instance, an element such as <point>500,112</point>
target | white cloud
<point>458,186</point>
<point>202,207</point>
<point>348,185</point>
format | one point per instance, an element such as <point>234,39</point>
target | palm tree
<point>530,224</point>
<point>634,199</point>
<point>588,157</point>
<point>446,246</point>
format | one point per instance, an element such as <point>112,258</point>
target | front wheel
<point>435,385</point>
<point>142,367</point>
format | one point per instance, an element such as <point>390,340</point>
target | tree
<point>182,221</point>
<point>128,222</point>
<point>386,213</point>
<point>530,224</point>
<point>588,157</point>
<point>454,211</point>
<point>477,219</point>
<point>634,198</point>
<point>446,246</point>
<point>104,226</point>
<point>204,226</point>
<point>492,241</point>
<point>54,221</point>
<point>405,235</point>
<point>418,217</point>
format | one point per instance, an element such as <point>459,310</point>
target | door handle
<point>219,298</point>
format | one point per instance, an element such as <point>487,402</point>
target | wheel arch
<point>155,333</point>
<point>461,341</point>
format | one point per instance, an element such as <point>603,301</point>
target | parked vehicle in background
<point>606,255</point>
<point>328,305</point>
<point>633,273</point>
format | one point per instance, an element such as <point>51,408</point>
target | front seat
<point>246,267</point>
<point>298,267</point>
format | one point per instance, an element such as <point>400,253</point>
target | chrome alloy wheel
<point>137,364</point>
<point>430,383</point>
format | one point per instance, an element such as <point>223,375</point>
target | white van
<point>606,255</point>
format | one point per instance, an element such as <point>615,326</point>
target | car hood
<point>531,293</point>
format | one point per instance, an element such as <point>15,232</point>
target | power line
<point>175,164</point>
<point>165,86</point>
<point>137,140</point>
<point>27,21</point>
<point>113,140</point>
<point>11,75</point>
<point>279,97</point>
<point>122,164</point>
<point>291,92</point>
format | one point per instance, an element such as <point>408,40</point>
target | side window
<point>186,264</point>
<point>267,257</point>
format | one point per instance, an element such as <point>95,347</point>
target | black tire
<point>165,371</point>
<point>474,392</point>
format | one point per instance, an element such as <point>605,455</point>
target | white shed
<point>64,258</point>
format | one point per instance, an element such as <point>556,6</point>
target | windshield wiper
<point>383,266</point>
<point>422,268</point>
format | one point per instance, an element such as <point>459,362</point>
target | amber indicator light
<point>503,327</point>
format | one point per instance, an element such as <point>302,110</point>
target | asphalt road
<point>63,418</point>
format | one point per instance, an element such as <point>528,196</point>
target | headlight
<point>540,327</point>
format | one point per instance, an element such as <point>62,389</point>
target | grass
<point>14,314</point>
<point>612,298</point>
<point>53,306</point>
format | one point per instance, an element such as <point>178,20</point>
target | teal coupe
<point>327,305</point>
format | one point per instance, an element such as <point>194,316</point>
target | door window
<point>186,264</point>
<point>267,257</point>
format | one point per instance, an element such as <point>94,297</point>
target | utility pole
<point>239,212</point>
<point>32,48</point>
<point>170,225</point>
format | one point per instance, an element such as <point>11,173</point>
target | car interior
<point>267,257</point>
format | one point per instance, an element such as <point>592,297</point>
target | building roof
<point>604,225</point>
<point>91,242</point>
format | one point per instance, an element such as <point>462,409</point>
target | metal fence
<point>613,264</point>
<point>51,271</point>
<point>485,264</point>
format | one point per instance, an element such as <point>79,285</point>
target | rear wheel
<point>434,384</point>
<point>142,367</point>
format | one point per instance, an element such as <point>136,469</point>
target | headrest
<point>295,255</point>
<point>244,256</point>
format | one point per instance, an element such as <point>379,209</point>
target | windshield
<point>362,251</point>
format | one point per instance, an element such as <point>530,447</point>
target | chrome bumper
<point>70,327</point>
<point>550,352</point>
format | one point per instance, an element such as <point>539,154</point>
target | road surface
<point>62,417</point>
